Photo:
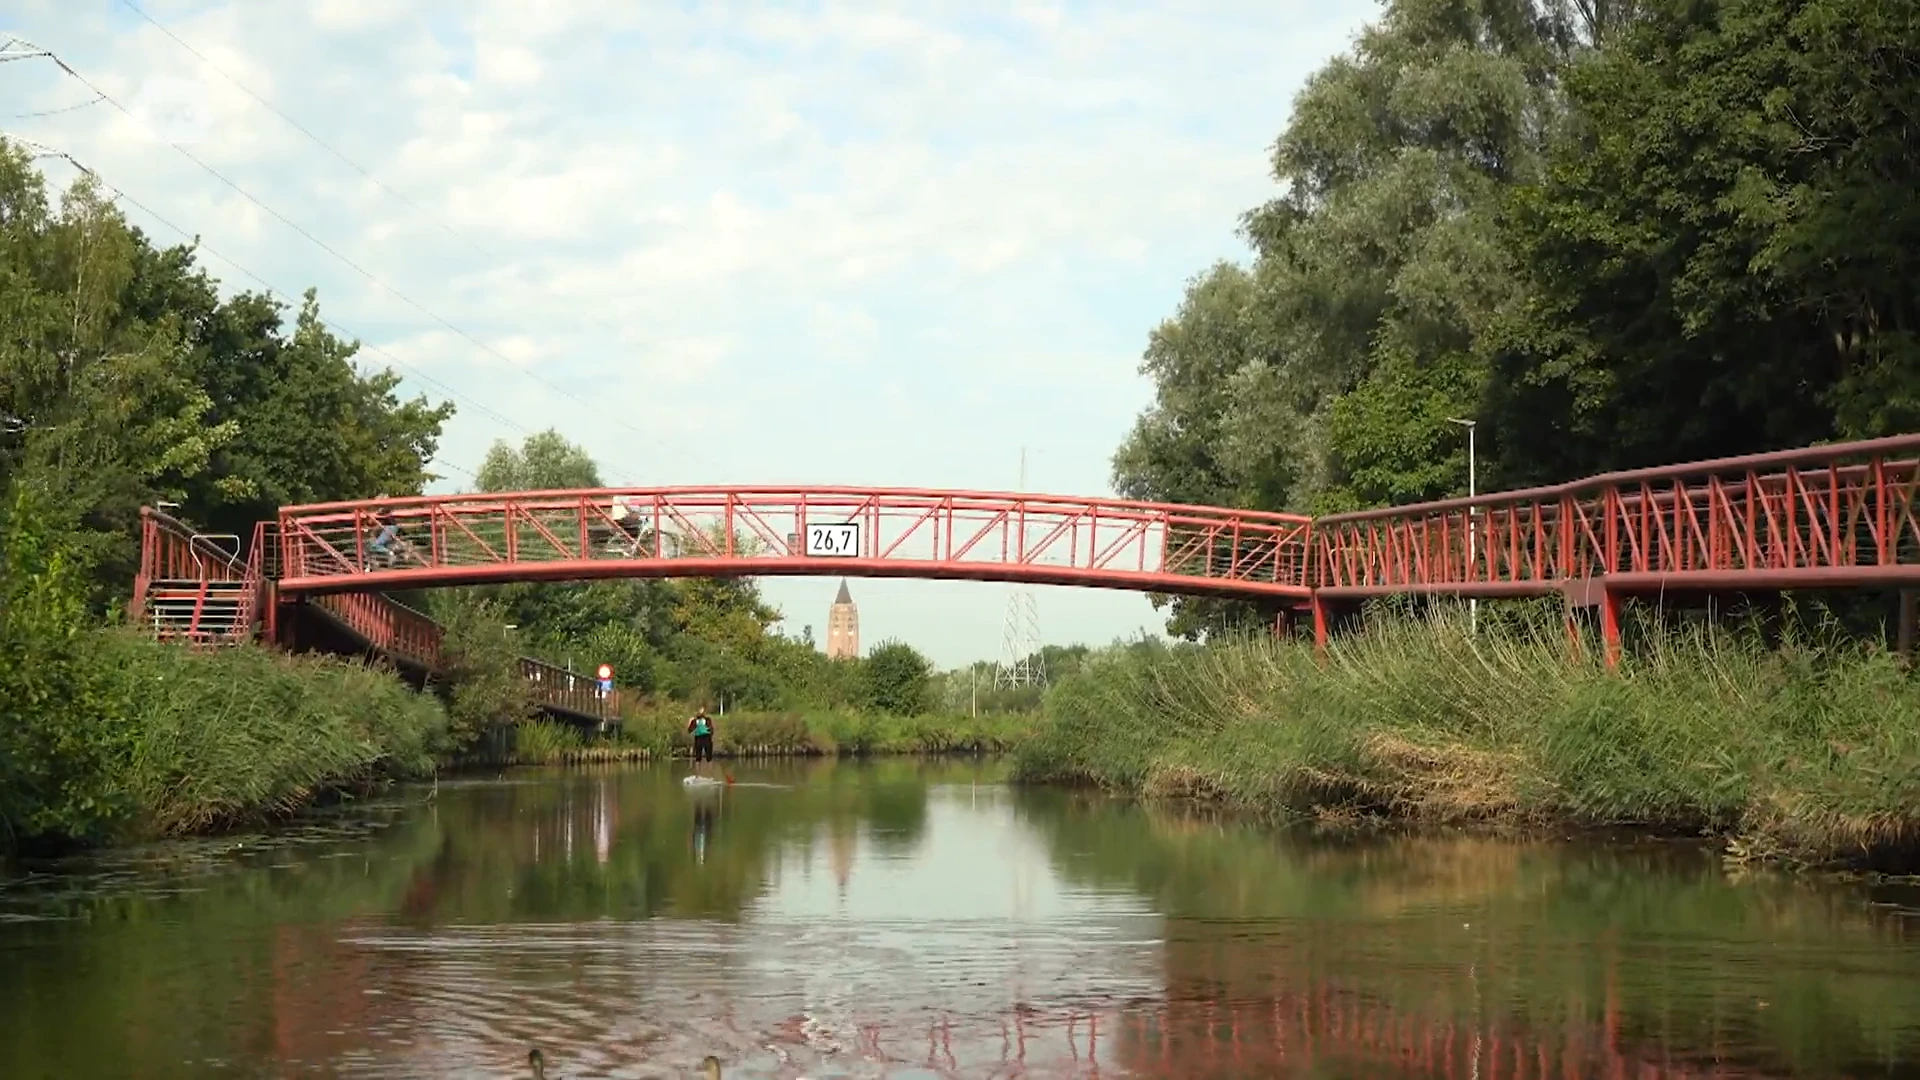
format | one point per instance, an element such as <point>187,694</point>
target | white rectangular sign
<point>841,541</point>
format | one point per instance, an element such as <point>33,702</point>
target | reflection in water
<point>915,919</point>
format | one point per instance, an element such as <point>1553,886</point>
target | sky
<point>835,243</point>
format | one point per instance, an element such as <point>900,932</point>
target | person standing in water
<point>702,727</point>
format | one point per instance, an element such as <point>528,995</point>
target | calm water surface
<point>919,919</point>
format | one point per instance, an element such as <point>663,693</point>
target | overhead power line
<point>302,129</point>
<point>588,316</point>
<point>39,149</point>
<point>41,51</point>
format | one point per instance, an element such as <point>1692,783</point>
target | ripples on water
<point>916,920</point>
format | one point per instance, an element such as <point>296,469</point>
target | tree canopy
<point>1611,234</point>
<point>708,640</point>
<point>126,379</point>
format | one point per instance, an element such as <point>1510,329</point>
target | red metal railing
<point>1844,515</point>
<point>408,636</point>
<point>556,687</point>
<point>694,532</point>
<point>180,570</point>
<point>172,550</point>
<point>176,557</point>
<point>403,634</point>
<point>1840,515</point>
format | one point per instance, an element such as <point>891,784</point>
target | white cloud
<point>689,235</point>
<point>507,64</point>
<point>352,14</point>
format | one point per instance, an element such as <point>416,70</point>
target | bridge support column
<point>1593,594</point>
<point>1610,624</point>
<point>1909,614</point>
<point>1332,616</point>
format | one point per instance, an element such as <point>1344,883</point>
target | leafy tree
<point>480,672</point>
<point>60,736</point>
<point>1322,377</point>
<point>1721,253</point>
<point>98,409</point>
<point>898,679</point>
<point>125,379</point>
<point>543,462</point>
<point>311,426</point>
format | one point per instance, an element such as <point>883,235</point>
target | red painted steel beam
<point>1484,590</point>
<point>1832,517</point>
<point>782,566</point>
<point>1813,577</point>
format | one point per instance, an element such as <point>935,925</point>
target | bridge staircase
<point>200,612</point>
<point>195,588</point>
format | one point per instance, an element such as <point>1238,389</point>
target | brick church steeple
<point>843,626</point>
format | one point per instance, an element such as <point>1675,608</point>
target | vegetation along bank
<point>1805,752</point>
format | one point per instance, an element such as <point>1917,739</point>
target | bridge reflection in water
<point>323,1013</point>
<point>902,920</point>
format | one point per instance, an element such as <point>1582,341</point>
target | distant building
<point>843,626</point>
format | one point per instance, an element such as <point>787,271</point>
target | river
<point>922,918</point>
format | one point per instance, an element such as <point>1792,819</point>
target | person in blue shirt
<point>702,727</point>
<point>383,552</point>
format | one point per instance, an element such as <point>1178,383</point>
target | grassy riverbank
<point>1807,752</point>
<point>659,734</point>
<point>168,741</point>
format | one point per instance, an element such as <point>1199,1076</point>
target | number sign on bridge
<point>841,541</point>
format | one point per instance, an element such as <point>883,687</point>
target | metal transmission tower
<point>1020,660</point>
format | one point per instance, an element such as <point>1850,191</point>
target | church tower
<point>843,626</point>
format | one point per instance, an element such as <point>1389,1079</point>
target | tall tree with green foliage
<point>1323,377</point>
<point>545,461</point>
<point>126,379</point>
<point>1722,253</point>
<point>707,640</point>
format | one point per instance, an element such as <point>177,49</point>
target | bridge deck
<point>1838,516</point>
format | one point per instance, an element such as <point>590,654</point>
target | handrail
<point>826,492</point>
<point>405,633</point>
<point>1837,515</point>
<point>197,544</point>
<point>1744,463</point>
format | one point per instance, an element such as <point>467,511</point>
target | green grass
<point>836,732</point>
<point>1808,752</point>
<point>241,733</point>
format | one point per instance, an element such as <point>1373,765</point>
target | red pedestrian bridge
<point>1836,516</point>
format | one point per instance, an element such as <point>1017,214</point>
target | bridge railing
<point>191,584</point>
<point>410,636</point>
<point>172,550</point>
<point>695,531</point>
<point>1843,514</point>
<point>393,628</point>
<point>559,688</point>
<point>176,557</point>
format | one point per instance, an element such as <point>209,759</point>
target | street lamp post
<point>1473,513</point>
